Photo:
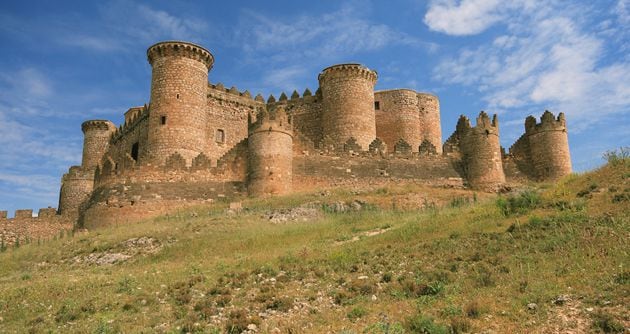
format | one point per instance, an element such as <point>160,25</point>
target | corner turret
<point>270,157</point>
<point>96,134</point>
<point>549,146</point>
<point>481,152</point>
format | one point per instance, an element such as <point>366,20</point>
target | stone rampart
<point>26,228</point>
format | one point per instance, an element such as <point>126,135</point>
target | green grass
<point>465,265</point>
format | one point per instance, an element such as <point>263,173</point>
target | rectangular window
<point>220,136</point>
<point>377,105</point>
<point>163,120</point>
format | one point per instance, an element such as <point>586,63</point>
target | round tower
<point>177,112</point>
<point>398,117</point>
<point>270,154</point>
<point>96,134</point>
<point>549,146</point>
<point>76,187</point>
<point>348,103</point>
<point>430,127</point>
<point>481,152</point>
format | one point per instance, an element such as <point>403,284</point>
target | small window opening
<point>220,136</point>
<point>377,105</point>
<point>163,120</point>
<point>178,96</point>
<point>134,151</point>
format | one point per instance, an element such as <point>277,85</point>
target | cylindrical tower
<point>549,146</point>
<point>430,127</point>
<point>76,187</point>
<point>482,152</point>
<point>348,103</point>
<point>270,154</point>
<point>177,112</point>
<point>96,134</point>
<point>399,119</point>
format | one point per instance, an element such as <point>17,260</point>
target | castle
<point>197,142</point>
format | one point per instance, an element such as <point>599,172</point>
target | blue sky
<point>63,62</point>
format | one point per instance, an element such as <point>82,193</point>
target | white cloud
<point>337,34</point>
<point>545,59</point>
<point>466,17</point>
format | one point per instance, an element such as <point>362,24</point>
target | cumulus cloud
<point>468,17</point>
<point>544,58</point>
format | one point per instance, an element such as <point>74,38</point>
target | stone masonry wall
<point>305,113</point>
<point>134,131</point>
<point>398,118</point>
<point>25,227</point>
<point>228,111</point>
<point>76,186</point>
<point>348,98</point>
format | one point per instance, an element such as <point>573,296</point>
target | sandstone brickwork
<point>197,142</point>
<point>24,227</point>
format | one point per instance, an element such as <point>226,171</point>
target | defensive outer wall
<point>197,142</point>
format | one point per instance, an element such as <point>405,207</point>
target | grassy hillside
<point>407,259</point>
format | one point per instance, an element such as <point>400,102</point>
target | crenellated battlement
<point>97,124</point>
<point>306,98</point>
<point>220,88</point>
<point>341,71</point>
<point>180,49</point>
<point>273,119</point>
<point>548,122</point>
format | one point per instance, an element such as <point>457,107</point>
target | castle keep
<point>198,142</point>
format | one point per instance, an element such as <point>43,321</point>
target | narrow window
<point>220,136</point>
<point>178,96</point>
<point>134,151</point>
<point>163,120</point>
<point>377,105</point>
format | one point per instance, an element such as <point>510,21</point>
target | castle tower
<point>96,134</point>
<point>76,187</point>
<point>348,103</point>
<point>177,112</point>
<point>270,154</point>
<point>430,127</point>
<point>481,152</point>
<point>398,117</point>
<point>549,146</point>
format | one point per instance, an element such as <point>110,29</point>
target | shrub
<point>282,304</point>
<point>238,320</point>
<point>460,325</point>
<point>425,325</point>
<point>473,309</point>
<point>617,157</point>
<point>518,204</point>
<point>385,328</point>
<point>604,322</point>
<point>356,313</point>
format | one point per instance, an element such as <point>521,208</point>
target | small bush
<point>473,309</point>
<point>518,204</point>
<point>387,277</point>
<point>385,328</point>
<point>356,313</point>
<point>617,157</point>
<point>604,322</point>
<point>460,325</point>
<point>282,304</point>
<point>238,320</point>
<point>425,325</point>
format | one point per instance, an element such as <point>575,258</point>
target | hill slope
<point>409,259</point>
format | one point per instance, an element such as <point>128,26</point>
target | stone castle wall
<point>306,114</point>
<point>76,187</point>
<point>24,227</point>
<point>96,134</point>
